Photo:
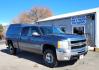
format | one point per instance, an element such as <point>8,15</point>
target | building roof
<point>94,10</point>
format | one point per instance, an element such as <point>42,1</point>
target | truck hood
<point>72,37</point>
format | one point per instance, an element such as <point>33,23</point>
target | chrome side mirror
<point>35,34</point>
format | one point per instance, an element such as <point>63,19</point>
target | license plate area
<point>81,56</point>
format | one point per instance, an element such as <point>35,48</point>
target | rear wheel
<point>12,50</point>
<point>50,58</point>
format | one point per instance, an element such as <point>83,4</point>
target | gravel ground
<point>30,61</point>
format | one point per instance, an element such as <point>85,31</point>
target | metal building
<point>84,22</point>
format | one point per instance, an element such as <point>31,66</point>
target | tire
<point>50,59</point>
<point>12,50</point>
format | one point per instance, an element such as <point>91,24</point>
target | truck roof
<point>21,25</point>
<point>25,25</point>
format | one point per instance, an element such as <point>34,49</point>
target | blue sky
<point>10,9</point>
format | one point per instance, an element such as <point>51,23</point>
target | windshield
<point>51,30</point>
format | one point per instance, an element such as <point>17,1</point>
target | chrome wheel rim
<point>11,48</point>
<point>49,58</point>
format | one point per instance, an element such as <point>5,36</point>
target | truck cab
<point>49,41</point>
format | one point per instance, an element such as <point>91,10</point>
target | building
<point>84,22</point>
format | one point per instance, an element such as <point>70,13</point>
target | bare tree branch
<point>33,15</point>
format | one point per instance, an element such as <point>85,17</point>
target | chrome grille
<point>78,44</point>
<point>78,41</point>
<point>75,47</point>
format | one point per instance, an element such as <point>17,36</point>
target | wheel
<point>50,58</point>
<point>12,50</point>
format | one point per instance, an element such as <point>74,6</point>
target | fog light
<point>66,58</point>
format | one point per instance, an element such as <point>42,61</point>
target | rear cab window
<point>25,31</point>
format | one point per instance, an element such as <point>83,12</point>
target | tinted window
<point>34,29</point>
<point>51,30</point>
<point>63,28</point>
<point>25,31</point>
<point>46,30</point>
<point>13,29</point>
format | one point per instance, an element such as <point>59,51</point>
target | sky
<point>9,9</point>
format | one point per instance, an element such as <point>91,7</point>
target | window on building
<point>78,30</point>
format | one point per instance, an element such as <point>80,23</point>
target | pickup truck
<point>48,41</point>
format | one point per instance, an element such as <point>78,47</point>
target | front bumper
<point>70,55</point>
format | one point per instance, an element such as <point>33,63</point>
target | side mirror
<point>35,34</point>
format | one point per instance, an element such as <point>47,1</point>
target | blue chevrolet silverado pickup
<point>48,41</point>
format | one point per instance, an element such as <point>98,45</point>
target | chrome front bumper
<point>70,54</point>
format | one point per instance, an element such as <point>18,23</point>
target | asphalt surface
<point>29,61</point>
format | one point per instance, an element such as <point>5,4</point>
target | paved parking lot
<point>30,61</point>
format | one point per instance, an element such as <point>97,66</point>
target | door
<point>24,39</point>
<point>36,40</point>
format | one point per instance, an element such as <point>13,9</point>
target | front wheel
<point>50,58</point>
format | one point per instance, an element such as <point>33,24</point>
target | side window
<point>46,30</point>
<point>13,29</point>
<point>33,30</point>
<point>25,31</point>
<point>63,28</point>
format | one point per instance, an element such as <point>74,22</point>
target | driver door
<point>35,40</point>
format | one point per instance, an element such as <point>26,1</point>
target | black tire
<point>12,50</point>
<point>52,62</point>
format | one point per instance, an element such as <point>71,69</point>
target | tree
<point>1,28</point>
<point>1,31</point>
<point>38,13</point>
<point>33,15</point>
<point>23,18</point>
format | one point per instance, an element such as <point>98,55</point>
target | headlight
<point>64,44</point>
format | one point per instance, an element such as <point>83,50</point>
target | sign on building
<point>78,20</point>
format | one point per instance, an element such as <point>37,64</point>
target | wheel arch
<point>48,46</point>
<point>9,41</point>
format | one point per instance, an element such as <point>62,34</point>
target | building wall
<point>66,22</point>
<point>97,29</point>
